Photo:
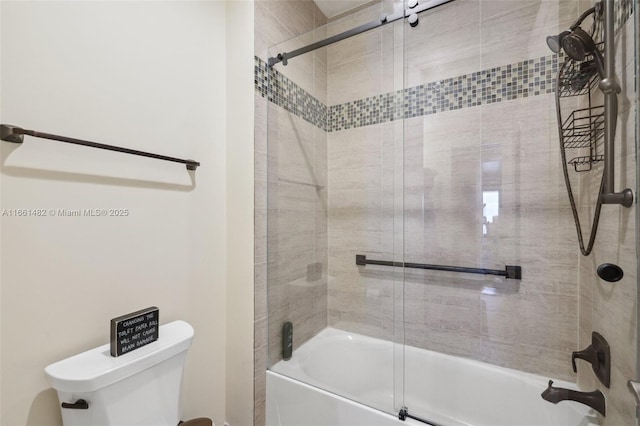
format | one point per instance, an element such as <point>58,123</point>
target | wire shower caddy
<point>584,127</point>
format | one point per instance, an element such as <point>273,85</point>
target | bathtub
<point>345,379</point>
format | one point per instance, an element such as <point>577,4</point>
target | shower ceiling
<point>332,8</point>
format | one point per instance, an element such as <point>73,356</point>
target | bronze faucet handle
<point>589,354</point>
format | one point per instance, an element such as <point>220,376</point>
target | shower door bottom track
<point>404,414</point>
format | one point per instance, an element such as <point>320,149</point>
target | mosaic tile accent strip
<point>623,10</point>
<point>532,77</point>
<point>260,75</point>
<point>280,90</point>
<point>514,81</point>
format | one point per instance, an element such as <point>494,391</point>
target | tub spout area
<point>593,399</point>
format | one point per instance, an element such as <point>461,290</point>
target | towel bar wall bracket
<point>8,134</point>
<point>15,134</point>
<point>510,271</point>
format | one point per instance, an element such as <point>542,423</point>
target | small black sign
<point>134,330</point>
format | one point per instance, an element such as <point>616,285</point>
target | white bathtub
<point>442,389</point>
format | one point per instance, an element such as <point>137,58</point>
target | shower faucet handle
<point>589,354</point>
<point>599,355</point>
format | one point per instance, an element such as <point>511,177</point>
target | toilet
<point>139,388</point>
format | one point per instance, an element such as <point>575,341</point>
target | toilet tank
<point>139,388</point>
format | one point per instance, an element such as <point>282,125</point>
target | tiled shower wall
<point>483,185</point>
<point>610,308</point>
<point>293,168</point>
<point>480,184</point>
<point>296,215</point>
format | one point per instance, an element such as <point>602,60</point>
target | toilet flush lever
<point>80,404</point>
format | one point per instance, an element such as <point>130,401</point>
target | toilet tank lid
<point>96,368</point>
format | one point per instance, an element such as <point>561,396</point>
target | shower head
<point>578,44</point>
<point>555,42</point>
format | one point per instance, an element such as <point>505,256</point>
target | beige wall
<point>610,308</point>
<point>240,217</point>
<point>145,75</point>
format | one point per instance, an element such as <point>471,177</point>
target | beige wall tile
<point>290,156</point>
<point>445,44</point>
<point>510,147</point>
<point>610,308</point>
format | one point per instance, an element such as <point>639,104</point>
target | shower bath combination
<point>431,146</point>
<point>584,55</point>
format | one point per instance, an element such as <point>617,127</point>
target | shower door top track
<point>285,56</point>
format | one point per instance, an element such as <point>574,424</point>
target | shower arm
<point>611,88</point>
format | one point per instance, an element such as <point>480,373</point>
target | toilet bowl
<point>139,388</point>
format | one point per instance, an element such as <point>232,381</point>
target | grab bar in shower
<point>16,134</point>
<point>509,271</point>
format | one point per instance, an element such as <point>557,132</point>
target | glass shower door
<point>484,189</point>
<point>335,194</point>
<point>443,207</point>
